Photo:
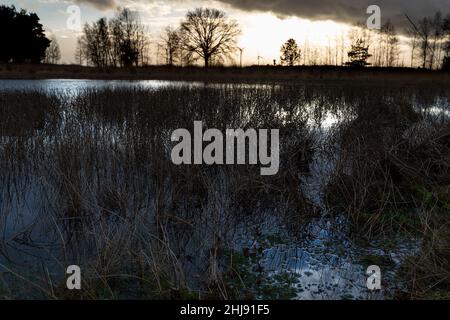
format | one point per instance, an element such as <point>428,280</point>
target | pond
<point>86,179</point>
<point>76,84</point>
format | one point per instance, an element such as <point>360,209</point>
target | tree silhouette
<point>388,37</point>
<point>129,32</point>
<point>431,32</point>
<point>53,53</point>
<point>120,41</point>
<point>290,53</point>
<point>80,50</point>
<point>359,54</point>
<point>170,42</point>
<point>98,43</point>
<point>208,34</point>
<point>23,38</point>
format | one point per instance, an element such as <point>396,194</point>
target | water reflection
<point>75,85</point>
<point>91,175</point>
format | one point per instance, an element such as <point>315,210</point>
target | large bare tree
<point>97,43</point>
<point>209,34</point>
<point>129,37</point>
<point>121,41</point>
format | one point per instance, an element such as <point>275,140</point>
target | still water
<point>75,85</point>
<point>317,261</point>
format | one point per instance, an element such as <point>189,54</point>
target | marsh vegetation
<point>86,178</point>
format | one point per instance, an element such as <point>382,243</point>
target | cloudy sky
<point>266,24</point>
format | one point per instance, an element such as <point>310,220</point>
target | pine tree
<point>359,55</point>
<point>290,53</point>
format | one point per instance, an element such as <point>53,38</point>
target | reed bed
<point>87,179</point>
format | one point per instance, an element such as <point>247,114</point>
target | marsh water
<point>86,179</point>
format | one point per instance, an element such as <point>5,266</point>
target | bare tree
<point>171,44</point>
<point>209,35</point>
<point>306,52</point>
<point>342,48</point>
<point>53,53</point>
<point>414,37</point>
<point>391,42</point>
<point>98,43</point>
<point>425,34</point>
<point>129,36</point>
<point>431,33</point>
<point>423,29</point>
<point>122,41</point>
<point>80,50</point>
<point>336,50</point>
<point>116,35</point>
<point>437,24</point>
<point>360,33</point>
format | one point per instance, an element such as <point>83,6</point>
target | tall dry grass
<point>87,179</point>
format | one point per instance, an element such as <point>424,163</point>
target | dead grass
<point>229,74</point>
<point>110,200</point>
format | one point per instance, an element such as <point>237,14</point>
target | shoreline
<point>258,74</point>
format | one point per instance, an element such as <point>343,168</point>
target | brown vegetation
<point>227,74</point>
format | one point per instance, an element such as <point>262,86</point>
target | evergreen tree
<point>290,53</point>
<point>23,38</point>
<point>358,55</point>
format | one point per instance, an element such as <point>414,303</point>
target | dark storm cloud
<point>349,11</point>
<point>99,4</point>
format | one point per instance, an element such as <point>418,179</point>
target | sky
<point>265,24</point>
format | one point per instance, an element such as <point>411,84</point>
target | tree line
<point>120,42</point>
<point>428,40</point>
<point>205,34</point>
<point>384,53</point>
<point>23,38</point>
<point>209,36</point>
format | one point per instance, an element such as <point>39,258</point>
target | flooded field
<point>86,179</point>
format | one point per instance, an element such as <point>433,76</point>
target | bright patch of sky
<point>262,33</point>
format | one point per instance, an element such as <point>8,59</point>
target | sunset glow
<point>262,33</point>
